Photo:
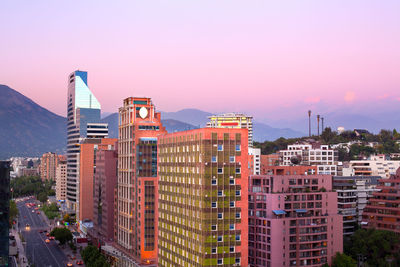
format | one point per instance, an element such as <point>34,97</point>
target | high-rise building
<point>105,182</point>
<point>353,194</point>
<point>203,208</point>
<point>293,220</point>
<point>137,189</point>
<point>382,211</point>
<point>255,160</point>
<point>61,180</point>
<point>48,166</point>
<point>87,171</point>
<point>233,120</point>
<point>83,121</point>
<point>4,211</point>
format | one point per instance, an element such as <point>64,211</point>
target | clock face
<point>143,112</point>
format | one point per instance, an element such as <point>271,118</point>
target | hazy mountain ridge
<point>31,130</point>
<point>28,129</point>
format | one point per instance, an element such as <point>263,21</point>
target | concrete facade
<point>203,201</point>
<point>293,220</point>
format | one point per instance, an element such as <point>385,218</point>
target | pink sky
<point>267,58</point>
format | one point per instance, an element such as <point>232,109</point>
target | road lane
<point>41,253</point>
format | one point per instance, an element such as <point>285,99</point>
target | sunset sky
<point>271,59</point>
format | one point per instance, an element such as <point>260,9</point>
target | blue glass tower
<point>83,112</point>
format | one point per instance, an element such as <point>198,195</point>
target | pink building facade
<point>105,182</point>
<point>293,220</point>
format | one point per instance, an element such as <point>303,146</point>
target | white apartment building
<point>325,158</point>
<point>376,165</point>
<point>256,163</point>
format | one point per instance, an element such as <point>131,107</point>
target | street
<point>37,251</point>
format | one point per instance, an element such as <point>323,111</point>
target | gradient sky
<point>271,59</point>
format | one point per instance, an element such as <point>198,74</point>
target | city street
<point>37,251</point>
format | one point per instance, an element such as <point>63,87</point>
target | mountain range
<point>31,130</point>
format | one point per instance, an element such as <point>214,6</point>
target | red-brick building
<point>383,209</point>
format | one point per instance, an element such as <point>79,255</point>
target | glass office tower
<point>83,112</point>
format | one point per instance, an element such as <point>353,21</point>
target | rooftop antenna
<point>318,123</point>
<point>309,123</point>
<point>322,121</point>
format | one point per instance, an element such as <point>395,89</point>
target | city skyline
<point>348,60</point>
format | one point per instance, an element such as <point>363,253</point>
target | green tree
<point>13,211</point>
<point>93,258</point>
<point>42,197</point>
<point>62,234</point>
<point>327,135</point>
<point>376,245</point>
<point>343,260</point>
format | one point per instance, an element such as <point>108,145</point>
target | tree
<point>376,245</point>
<point>42,197</point>
<point>93,258</point>
<point>63,235</point>
<point>327,135</point>
<point>13,211</point>
<point>343,260</point>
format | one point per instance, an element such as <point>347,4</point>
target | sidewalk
<point>21,260</point>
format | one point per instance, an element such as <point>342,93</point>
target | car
<point>72,257</point>
<point>27,226</point>
<point>38,212</point>
<point>47,241</point>
<point>47,234</point>
<point>79,262</point>
<point>51,237</point>
<point>69,264</point>
<point>33,211</point>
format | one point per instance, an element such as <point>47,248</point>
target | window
<point>231,226</point>
<point>220,193</point>
<point>219,261</point>
<point>237,238</point>
<point>232,249</point>
<point>237,170</point>
<point>213,227</point>
<point>220,170</point>
<point>237,260</point>
<point>220,147</point>
<point>219,238</point>
<point>237,192</point>
<point>214,159</point>
<point>231,181</point>
<point>232,204</point>
<point>237,215</point>
<point>214,250</point>
<point>237,147</point>
<point>220,215</point>
<point>213,204</point>
<point>232,159</point>
<point>214,181</point>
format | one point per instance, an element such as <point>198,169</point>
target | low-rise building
<point>325,158</point>
<point>377,165</point>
